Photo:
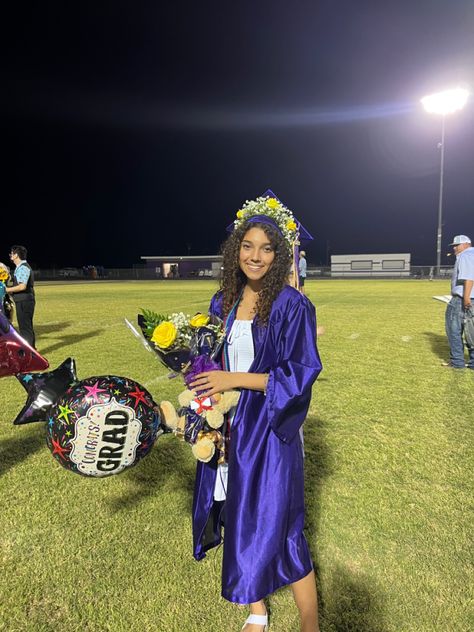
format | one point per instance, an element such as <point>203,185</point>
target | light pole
<point>443,103</point>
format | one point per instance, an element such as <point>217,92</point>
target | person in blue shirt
<point>302,266</point>
<point>461,304</point>
<point>23,293</point>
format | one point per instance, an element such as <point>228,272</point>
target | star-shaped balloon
<point>44,389</point>
<point>16,355</point>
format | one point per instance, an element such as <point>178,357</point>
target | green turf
<point>388,477</point>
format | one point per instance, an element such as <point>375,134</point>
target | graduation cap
<point>304,234</point>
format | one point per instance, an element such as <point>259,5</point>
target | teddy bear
<point>198,421</point>
<point>211,408</point>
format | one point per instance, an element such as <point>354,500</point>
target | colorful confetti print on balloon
<point>102,425</point>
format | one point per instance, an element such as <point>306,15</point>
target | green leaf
<point>152,320</point>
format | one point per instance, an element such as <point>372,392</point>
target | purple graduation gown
<point>264,544</point>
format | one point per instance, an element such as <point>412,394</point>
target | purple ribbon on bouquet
<point>200,364</point>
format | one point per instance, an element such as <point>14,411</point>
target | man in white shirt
<point>460,306</point>
<point>302,268</point>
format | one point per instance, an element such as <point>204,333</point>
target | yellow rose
<point>3,275</point>
<point>240,214</point>
<point>273,203</point>
<point>291,225</point>
<point>164,335</point>
<point>199,320</point>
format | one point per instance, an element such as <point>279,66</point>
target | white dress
<point>241,354</point>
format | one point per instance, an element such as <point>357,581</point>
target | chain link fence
<point>144,273</point>
<point>415,272</point>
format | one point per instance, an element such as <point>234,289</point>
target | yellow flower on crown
<point>164,335</point>
<point>199,320</point>
<point>3,275</point>
<point>273,208</point>
<point>273,203</point>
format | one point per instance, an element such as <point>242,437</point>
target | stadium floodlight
<point>446,102</point>
<point>443,103</point>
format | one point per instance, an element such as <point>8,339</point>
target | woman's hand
<point>212,382</point>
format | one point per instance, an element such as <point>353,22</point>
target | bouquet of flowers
<point>6,302</point>
<point>189,346</point>
<point>179,339</point>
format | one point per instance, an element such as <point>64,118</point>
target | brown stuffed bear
<point>212,409</point>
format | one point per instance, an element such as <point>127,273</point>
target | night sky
<point>139,128</point>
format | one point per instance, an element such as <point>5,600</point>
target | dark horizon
<point>141,133</point>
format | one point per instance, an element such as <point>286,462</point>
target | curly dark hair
<point>233,279</point>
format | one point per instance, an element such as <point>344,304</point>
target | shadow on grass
<point>352,605</point>
<point>165,466</point>
<point>16,450</point>
<point>68,340</point>
<point>318,466</point>
<point>52,328</point>
<point>439,344</point>
<point>348,604</point>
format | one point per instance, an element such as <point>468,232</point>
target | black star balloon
<point>44,389</point>
<point>98,426</point>
<point>16,355</point>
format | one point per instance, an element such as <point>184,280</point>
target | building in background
<point>190,267</point>
<point>384,265</point>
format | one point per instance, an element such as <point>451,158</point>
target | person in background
<point>23,293</point>
<point>462,295</point>
<point>302,267</point>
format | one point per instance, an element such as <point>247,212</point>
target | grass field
<point>389,484</point>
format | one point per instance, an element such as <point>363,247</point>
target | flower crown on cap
<point>270,207</point>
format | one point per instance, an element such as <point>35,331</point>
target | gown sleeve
<point>298,364</point>
<point>215,307</point>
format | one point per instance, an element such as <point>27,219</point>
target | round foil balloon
<point>102,425</point>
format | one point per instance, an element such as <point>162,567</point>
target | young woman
<point>270,354</point>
